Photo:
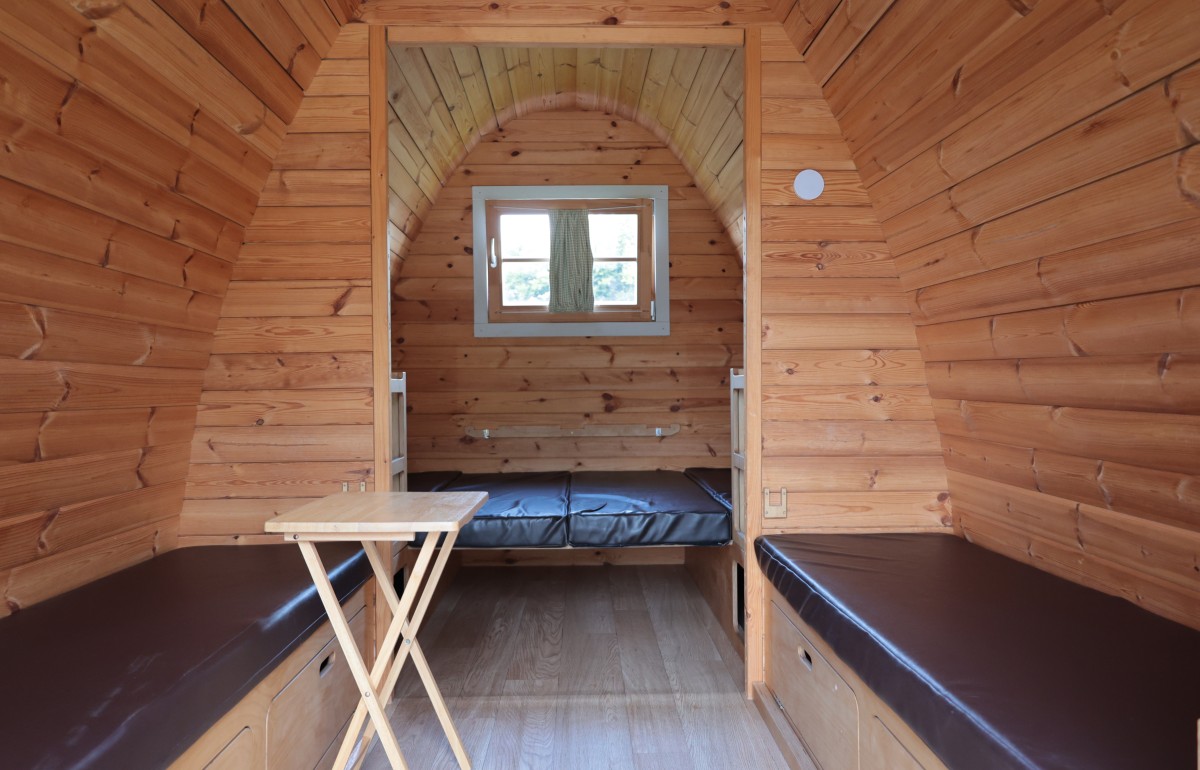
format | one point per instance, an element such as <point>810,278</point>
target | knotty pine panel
<point>286,406</point>
<point>1037,182</point>
<point>457,381</point>
<point>138,140</point>
<point>847,418</point>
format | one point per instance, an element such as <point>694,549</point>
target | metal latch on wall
<point>774,511</point>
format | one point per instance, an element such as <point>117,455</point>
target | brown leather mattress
<point>993,663</point>
<point>130,670</point>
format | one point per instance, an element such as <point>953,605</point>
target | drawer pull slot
<point>326,664</point>
<point>805,658</point>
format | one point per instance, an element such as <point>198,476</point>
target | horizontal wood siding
<point>457,381</point>
<point>136,139</point>
<point>847,420</point>
<point>285,411</point>
<point>1036,172</point>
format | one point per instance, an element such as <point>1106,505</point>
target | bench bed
<point>592,509</point>
<point>130,670</point>
<point>993,663</point>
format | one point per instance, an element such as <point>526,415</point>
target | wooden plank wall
<point>445,99</point>
<point>136,138</point>
<point>1036,173</point>
<point>457,381</point>
<point>584,13</point>
<point>286,409</point>
<point>847,422</point>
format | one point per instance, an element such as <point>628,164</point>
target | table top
<point>381,513</point>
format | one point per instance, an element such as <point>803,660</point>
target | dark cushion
<point>717,482</point>
<point>523,510</point>
<point>129,671</point>
<point>611,509</point>
<point>431,481</point>
<point>993,663</point>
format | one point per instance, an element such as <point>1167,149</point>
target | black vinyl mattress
<point>994,663</point>
<point>130,670</point>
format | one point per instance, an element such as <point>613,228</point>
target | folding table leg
<point>368,692</point>
<point>386,654</point>
<point>388,666</point>
<point>418,655</point>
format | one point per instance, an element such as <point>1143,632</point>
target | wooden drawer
<point>242,752</point>
<point>311,710</point>
<point>817,701</point>
<point>883,750</point>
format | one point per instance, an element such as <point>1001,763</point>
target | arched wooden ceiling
<point>445,99</point>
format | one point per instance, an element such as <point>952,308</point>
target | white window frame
<point>661,323</point>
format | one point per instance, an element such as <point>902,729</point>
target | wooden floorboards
<point>581,668</point>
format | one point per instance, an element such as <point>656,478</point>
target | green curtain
<point>570,262</point>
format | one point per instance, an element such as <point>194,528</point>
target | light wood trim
<point>381,285</point>
<point>589,37</point>
<point>378,514</point>
<point>755,626</point>
<point>498,312</point>
<point>570,557</point>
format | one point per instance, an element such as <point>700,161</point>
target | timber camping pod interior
<point>677,384</point>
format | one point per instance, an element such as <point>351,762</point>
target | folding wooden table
<point>371,518</point>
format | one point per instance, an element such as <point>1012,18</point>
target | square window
<point>608,277</point>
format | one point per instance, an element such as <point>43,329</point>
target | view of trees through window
<point>525,258</point>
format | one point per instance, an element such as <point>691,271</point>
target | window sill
<point>657,328</point>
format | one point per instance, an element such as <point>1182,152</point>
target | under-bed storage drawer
<point>311,710</point>
<point>818,702</point>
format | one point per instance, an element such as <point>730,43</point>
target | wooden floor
<point>580,668</point>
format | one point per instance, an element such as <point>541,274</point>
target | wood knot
<point>98,9</point>
<point>612,21</point>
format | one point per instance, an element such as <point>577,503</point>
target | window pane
<point>614,283</point>
<point>614,236</point>
<point>525,283</point>
<point>525,236</point>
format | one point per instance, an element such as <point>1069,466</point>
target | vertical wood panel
<point>755,598</point>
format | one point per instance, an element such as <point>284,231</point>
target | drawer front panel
<point>820,705</point>
<point>311,710</point>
